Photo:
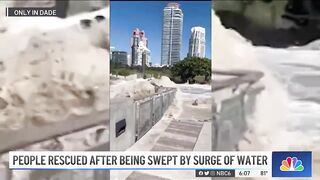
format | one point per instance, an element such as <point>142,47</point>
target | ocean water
<point>195,91</point>
<point>299,73</point>
<point>287,113</point>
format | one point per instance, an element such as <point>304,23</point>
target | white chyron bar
<point>238,164</point>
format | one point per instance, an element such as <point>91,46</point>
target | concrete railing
<point>79,129</point>
<point>233,103</point>
<point>131,119</point>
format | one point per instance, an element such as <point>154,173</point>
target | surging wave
<point>271,126</point>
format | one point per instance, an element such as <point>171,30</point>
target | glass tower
<point>171,34</point>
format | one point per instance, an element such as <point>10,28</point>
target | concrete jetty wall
<point>233,103</point>
<point>131,119</point>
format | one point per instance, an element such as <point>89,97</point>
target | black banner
<point>33,11</point>
<point>215,173</point>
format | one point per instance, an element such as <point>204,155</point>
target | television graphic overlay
<point>292,164</point>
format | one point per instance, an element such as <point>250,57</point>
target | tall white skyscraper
<point>197,42</point>
<point>171,34</point>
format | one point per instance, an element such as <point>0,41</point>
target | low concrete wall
<point>231,122</point>
<point>157,108</point>
<point>122,110</point>
<point>140,116</point>
<point>234,102</point>
<point>145,116</point>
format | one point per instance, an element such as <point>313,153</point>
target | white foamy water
<point>195,91</point>
<point>299,71</point>
<point>288,111</point>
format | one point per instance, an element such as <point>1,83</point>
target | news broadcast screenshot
<point>159,90</point>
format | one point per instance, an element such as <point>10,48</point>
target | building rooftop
<point>173,4</point>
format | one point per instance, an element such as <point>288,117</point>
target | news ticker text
<point>205,164</point>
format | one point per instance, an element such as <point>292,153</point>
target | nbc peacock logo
<point>291,164</point>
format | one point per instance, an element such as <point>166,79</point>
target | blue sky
<point>147,15</point>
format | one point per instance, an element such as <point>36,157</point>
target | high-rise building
<point>197,42</point>
<point>171,34</point>
<point>135,39</point>
<point>112,48</point>
<point>120,57</point>
<point>129,59</point>
<point>139,47</point>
